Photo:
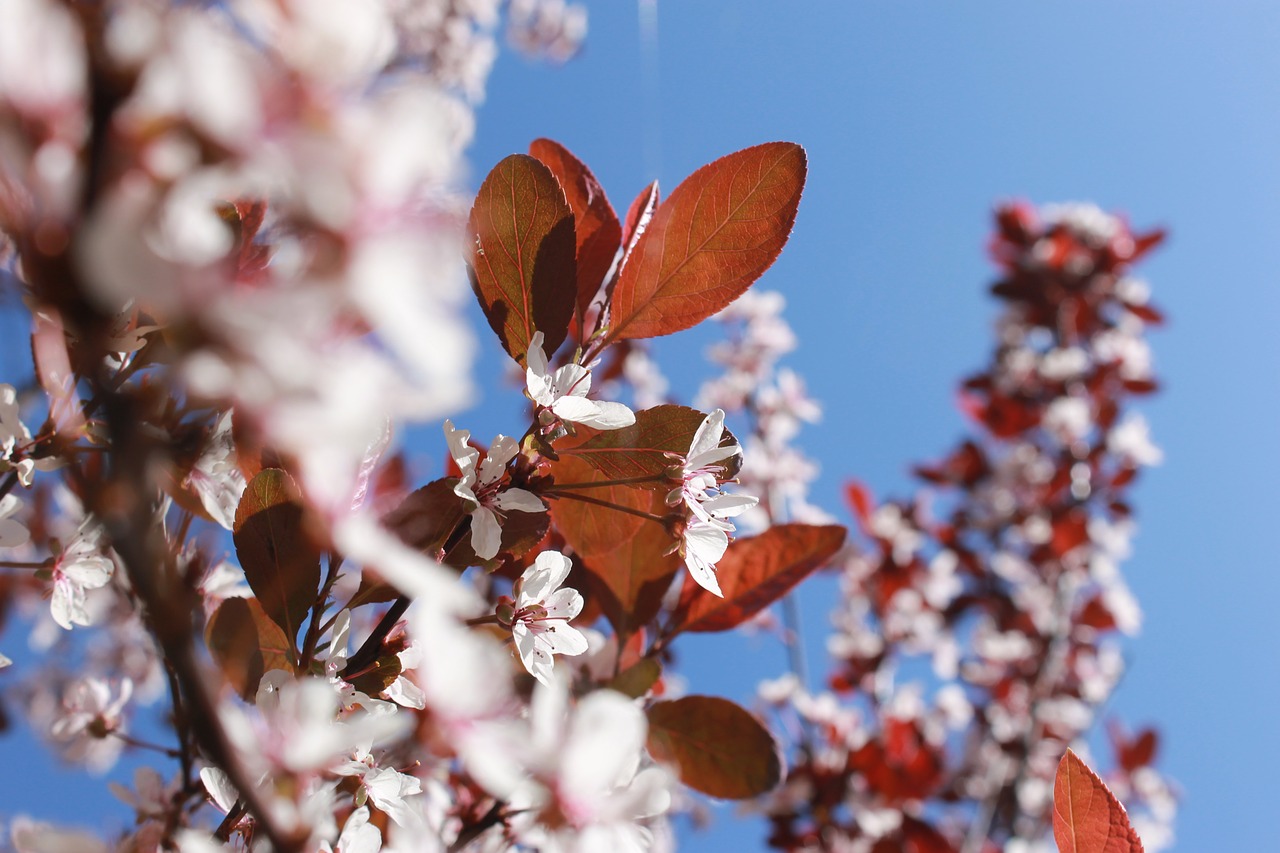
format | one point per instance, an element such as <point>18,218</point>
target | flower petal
<point>609,416</point>
<point>709,433</point>
<point>563,604</point>
<point>727,506</point>
<point>561,638</point>
<point>486,533</point>
<point>519,500</point>
<point>533,655</point>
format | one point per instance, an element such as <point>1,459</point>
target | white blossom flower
<point>80,567</point>
<point>483,486</point>
<point>565,392</point>
<point>13,534</point>
<point>12,431</point>
<point>541,612</point>
<point>700,487</point>
<point>703,544</point>
<point>358,835</point>
<point>216,477</point>
<point>386,787</point>
<point>89,714</point>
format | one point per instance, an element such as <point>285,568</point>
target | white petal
<point>13,534</point>
<point>519,500</point>
<point>727,506</point>
<point>486,533</point>
<point>219,787</point>
<point>707,542</point>
<point>708,435</point>
<point>563,604</point>
<point>572,380</point>
<point>609,416</point>
<point>536,356</point>
<point>548,571</point>
<point>705,575</point>
<point>535,658</point>
<point>562,638</point>
<point>503,451</point>
<point>697,461</point>
<point>463,454</point>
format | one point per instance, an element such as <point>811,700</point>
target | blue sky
<point>917,117</point>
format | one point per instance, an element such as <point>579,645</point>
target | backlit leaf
<point>1087,818</point>
<point>279,560</point>
<point>716,746</point>
<point>246,644</point>
<point>597,230</point>
<point>755,572</point>
<point>640,449</point>
<point>521,262</point>
<point>639,215</point>
<point>714,236</point>
<point>635,574</point>
<point>591,529</point>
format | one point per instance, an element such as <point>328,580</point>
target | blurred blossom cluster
<point>1002,577</point>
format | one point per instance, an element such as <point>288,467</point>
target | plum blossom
<point>80,567</point>
<point>13,431</point>
<point>706,536</point>
<point>700,486</point>
<point>539,616</point>
<point>386,787</point>
<point>13,534</point>
<point>89,714</point>
<point>564,392</point>
<point>482,487</point>
<point>358,835</point>
<point>703,544</point>
<point>216,478</point>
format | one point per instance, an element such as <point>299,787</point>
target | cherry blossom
<point>91,711</point>
<point>12,432</point>
<point>702,545</point>
<point>539,616</point>
<point>485,488</point>
<point>385,787</point>
<point>216,477</point>
<point>564,392</point>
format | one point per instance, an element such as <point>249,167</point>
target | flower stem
<point>16,564</point>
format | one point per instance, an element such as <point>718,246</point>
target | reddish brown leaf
<point>591,529</point>
<point>1087,818</point>
<point>716,746</point>
<point>635,680</point>
<point>755,572</point>
<point>640,449</point>
<point>637,573</point>
<point>246,643</point>
<point>522,262</point>
<point>706,244</point>
<point>596,226</point>
<point>279,560</point>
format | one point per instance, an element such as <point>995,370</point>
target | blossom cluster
<point>1002,575</point>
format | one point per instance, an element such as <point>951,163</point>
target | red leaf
<point>280,562</point>
<point>589,528</point>
<point>716,234</point>
<point>717,747</point>
<point>1087,818</point>
<point>596,226</point>
<point>522,264</point>
<point>862,501</point>
<point>755,572</point>
<point>640,450</point>
<point>633,576</point>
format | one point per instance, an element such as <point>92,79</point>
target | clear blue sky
<point>916,117</point>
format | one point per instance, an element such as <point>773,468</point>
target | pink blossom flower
<point>386,787</point>
<point>540,614</point>
<point>485,488</point>
<point>89,714</point>
<point>564,392</point>
<point>216,478</point>
<point>702,545</point>
<point>80,567</point>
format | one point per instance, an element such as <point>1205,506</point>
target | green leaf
<point>716,234</point>
<point>716,746</point>
<point>521,260</point>
<point>279,560</point>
